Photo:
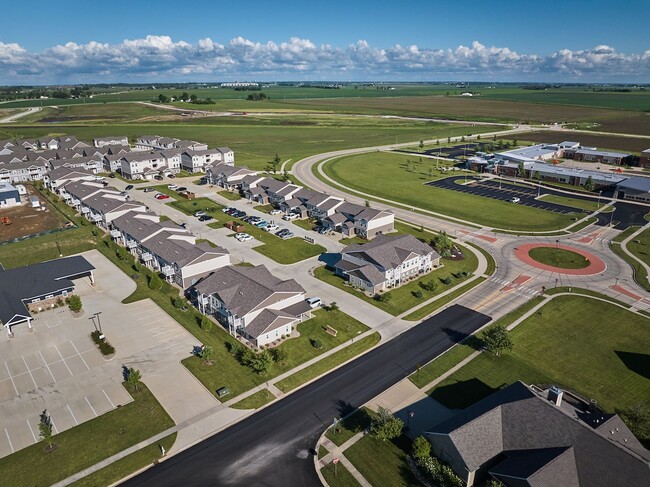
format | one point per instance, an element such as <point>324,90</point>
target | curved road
<point>16,116</point>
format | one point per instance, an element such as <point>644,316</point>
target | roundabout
<point>562,259</point>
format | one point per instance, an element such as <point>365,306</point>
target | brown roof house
<point>526,436</point>
<point>385,262</point>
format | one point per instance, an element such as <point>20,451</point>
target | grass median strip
<point>338,476</point>
<point>581,204</point>
<point>90,442</point>
<point>127,465</point>
<point>255,401</point>
<point>328,363</point>
<point>425,311</point>
<point>640,274</point>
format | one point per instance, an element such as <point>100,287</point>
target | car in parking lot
<point>313,302</point>
<point>323,230</point>
<point>514,199</point>
<point>271,227</point>
<point>238,214</point>
<point>199,213</point>
<point>290,216</point>
<point>171,176</point>
<point>158,177</point>
<point>261,223</point>
<point>182,188</point>
<point>129,187</point>
<point>111,175</point>
<point>275,212</point>
<point>161,196</point>
<point>243,237</point>
<point>172,186</point>
<point>227,209</point>
<point>205,218</point>
<point>287,235</point>
<point>149,189</point>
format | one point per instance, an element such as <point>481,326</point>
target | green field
<point>97,114</point>
<point>369,172</point>
<point>612,142</point>
<point>564,259</point>
<point>593,347</point>
<point>640,246</point>
<point>383,462</point>
<point>636,101</point>
<point>90,442</point>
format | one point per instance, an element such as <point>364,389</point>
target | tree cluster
<point>497,340</point>
<point>443,244</point>
<point>385,426</point>
<point>261,361</point>
<point>257,96</point>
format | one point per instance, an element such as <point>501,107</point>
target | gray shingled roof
<point>515,419</point>
<point>68,172</point>
<point>268,320</point>
<point>389,251</point>
<point>243,289</point>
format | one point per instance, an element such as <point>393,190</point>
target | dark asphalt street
<point>272,447</point>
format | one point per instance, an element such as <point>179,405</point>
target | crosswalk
<point>518,289</point>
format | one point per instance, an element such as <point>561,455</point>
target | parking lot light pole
<point>599,193</point>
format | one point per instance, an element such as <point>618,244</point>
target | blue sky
<point>509,40</point>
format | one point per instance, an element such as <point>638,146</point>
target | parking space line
<point>80,356</point>
<point>54,426</point>
<point>31,429</point>
<point>9,440</point>
<point>72,414</point>
<point>63,360</point>
<point>46,366</point>
<point>91,406</point>
<point>12,382</point>
<point>28,370</point>
<point>109,399</point>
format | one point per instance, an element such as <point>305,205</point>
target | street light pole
<point>599,193</point>
<point>99,324</point>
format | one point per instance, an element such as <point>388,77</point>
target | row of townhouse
<point>227,176</point>
<point>156,142</point>
<point>66,142</point>
<point>146,165</point>
<point>165,247</point>
<point>333,213</point>
<point>386,262</point>
<point>98,203</point>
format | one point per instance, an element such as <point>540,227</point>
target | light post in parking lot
<point>599,193</point>
<point>98,325</point>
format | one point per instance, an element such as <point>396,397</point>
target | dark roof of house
<point>516,419</point>
<point>243,289</point>
<point>544,466</point>
<point>389,251</point>
<point>22,283</point>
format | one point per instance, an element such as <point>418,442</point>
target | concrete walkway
<point>634,257</point>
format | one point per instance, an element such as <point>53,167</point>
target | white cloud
<point>297,58</point>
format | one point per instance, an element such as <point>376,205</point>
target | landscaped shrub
<point>429,285</point>
<point>417,294</point>
<point>206,324</point>
<point>316,343</point>
<point>446,281</point>
<point>421,448</point>
<point>74,303</point>
<point>104,347</point>
<point>438,473</point>
<point>154,281</point>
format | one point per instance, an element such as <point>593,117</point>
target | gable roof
<point>388,251</point>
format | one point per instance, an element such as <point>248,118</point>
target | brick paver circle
<point>596,264</point>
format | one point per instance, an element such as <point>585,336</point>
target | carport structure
<point>36,285</point>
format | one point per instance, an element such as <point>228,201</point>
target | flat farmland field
<point>637,101</point>
<point>617,142</point>
<point>463,108</point>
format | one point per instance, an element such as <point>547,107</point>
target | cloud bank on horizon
<point>163,59</point>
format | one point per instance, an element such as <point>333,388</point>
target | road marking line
<point>47,366</point>
<point>71,413</point>
<point>63,360</point>
<point>30,429</point>
<point>84,361</point>
<point>109,399</point>
<point>12,379</point>
<point>9,440</point>
<point>91,406</point>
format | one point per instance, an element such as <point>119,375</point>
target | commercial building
<point>634,188</point>
<point>9,195</point>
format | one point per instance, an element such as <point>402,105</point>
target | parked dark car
<point>111,175</point>
<point>129,187</point>
<point>205,218</point>
<point>182,188</point>
<point>158,177</point>
<point>239,214</point>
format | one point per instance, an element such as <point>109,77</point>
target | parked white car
<point>243,237</point>
<point>290,216</point>
<point>172,186</point>
<point>271,227</point>
<point>275,212</point>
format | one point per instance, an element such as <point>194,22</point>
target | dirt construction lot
<point>26,220</point>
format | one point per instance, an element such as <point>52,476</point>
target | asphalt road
<point>272,447</point>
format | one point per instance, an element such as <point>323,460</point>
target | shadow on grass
<point>636,362</point>
<point>460,395</point>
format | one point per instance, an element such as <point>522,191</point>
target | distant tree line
<point>257,96</point>
<point>184,97</point>
<point>30,94</point>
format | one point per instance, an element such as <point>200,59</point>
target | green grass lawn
<point>126,466</point>
<point>255,401</point>
<point>383,462</point>
<point>346,428</point>
<point>464,349</point>
<point>402,297</point>
<point>307,224</point>
<point>369,172</point>
<point>640,246</point>
<point>564,259</point>
<point>322,451</point>
<point>588,292</point>
<point>640,274</point>
<point>229,195</point>
<point>625,233</point>
<point>328,363</point>
<point>299,350</point>
<point>338,476</point>
<point>593,347</point>
<point>88,443</point>
<point>587,205</point>
<point>264,208</point>
<point>439,303</point>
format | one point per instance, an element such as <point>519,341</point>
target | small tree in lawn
<point>280,356</point>
<point>207,354</point>
<point>443,244</point>
<point>521,172</point>
<point>589,184</point>
<point>74,303</point>
<point>134,378</point>
<point>497,339</point>
<point>333,306</point>
<point>260,362</point>
<point>154,281</point>
<point>275,162</point>
<point>386,297</point>
<point>45,429</point>
<point>206,323</point>
<point>386,426</point>
<point>421,144</point>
